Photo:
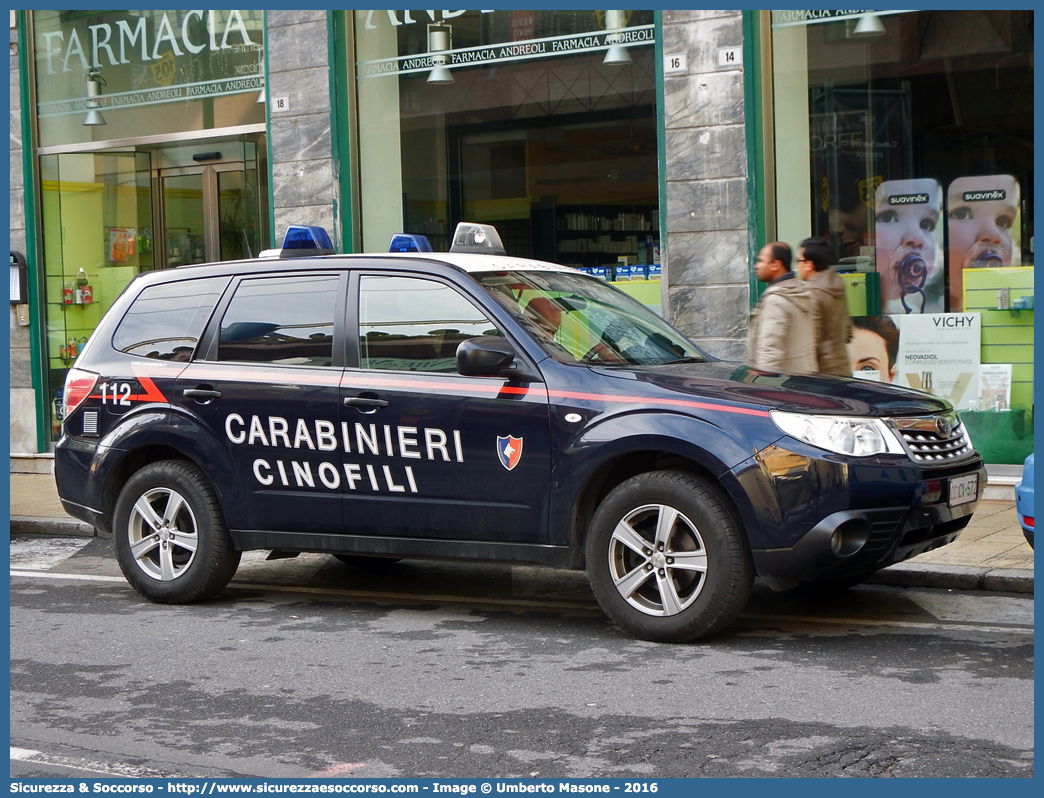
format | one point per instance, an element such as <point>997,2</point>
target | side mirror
<point>484,356</point>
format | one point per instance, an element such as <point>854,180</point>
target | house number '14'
<point>730,56</point>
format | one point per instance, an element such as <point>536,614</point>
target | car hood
<point>797,393</point>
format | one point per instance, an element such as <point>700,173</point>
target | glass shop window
<point>905,138</point>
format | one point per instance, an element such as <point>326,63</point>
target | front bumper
<point>865,541</point>
<point>815,517</point>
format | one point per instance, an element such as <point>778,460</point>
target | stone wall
<point>304,174</point>
<point>706,271</point>
<point>23,402</point>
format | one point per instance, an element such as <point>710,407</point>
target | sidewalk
<point>990,554</point>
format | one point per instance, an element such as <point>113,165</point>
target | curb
<point>952,577</point>
<point>65,527</point>
<point>955,577</point>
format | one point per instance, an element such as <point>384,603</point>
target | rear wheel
<point>170,536</point>
<point>666,558</point>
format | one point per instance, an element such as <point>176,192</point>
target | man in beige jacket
<point>781,336</point>
<point>833,324</point>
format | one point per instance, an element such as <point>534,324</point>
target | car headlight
<point>860,437</point>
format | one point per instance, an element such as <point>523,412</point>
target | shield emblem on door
<point>509,450</point>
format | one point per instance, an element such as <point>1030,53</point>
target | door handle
<point>201,393</point>
<point>363,401</point>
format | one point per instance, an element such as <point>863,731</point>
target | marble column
<point>706,262</point>
<point>304,173</point>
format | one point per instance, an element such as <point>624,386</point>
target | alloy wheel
<point>163,534</point>
<point>657,560</point>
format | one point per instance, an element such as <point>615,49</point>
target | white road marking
<point>83,577</point>
<point>870,622</point>
<point>43,554</point>
<point>360,594</point>
<point>101,768</point>
<point>1019,629</point>
<point>962,607</point>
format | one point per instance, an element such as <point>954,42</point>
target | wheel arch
<point>181,439</point>
<point>630,462</point>
<point>132,462</point>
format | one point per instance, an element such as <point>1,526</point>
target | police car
<point>472,405</point>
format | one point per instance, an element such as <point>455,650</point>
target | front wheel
<point>170,535</point>
<point>666,558</point>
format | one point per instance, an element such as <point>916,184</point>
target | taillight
<point>78,386</point>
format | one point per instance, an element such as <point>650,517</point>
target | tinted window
<point>165,321</point>
<point>407,324</point>
<point>287,320</point>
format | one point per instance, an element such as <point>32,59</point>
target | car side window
<point>411,324</point>
<point>284,320</point>
<point>165,321</point>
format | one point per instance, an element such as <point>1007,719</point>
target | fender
<point>616,436</point>
<point>190,435</point>
<point>87,466</point>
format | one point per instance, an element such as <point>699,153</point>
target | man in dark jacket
<point>833,324</point>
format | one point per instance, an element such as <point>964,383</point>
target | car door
<point>267,393</point>
<point>429,452</point>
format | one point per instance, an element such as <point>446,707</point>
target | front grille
<point>947,469</point>
<point>934,439</point>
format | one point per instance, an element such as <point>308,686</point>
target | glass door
<point>212,212</point>
<point>240,228</point>
<point>184,219</point>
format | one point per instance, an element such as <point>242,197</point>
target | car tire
<point>363,561</point>
<point>170,536</point>
<point>666,558</point>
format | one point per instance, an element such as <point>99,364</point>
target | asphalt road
<point>308,667</point>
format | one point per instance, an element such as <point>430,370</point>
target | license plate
<point>964,489</point>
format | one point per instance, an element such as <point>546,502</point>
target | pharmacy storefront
<point>637,145</point>
<point>150,152</point>
<point>906,139</point>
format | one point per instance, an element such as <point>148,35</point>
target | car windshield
<point>579,319</point>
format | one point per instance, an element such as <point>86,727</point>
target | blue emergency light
<point>299,236</point>
<point>407,242</point>
<point>301,241</point>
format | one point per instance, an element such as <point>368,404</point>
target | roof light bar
<point>480,238</point>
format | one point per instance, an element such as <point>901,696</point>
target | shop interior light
<point>440,43</point>
<point>615,21</point>
<point>93,83</point>
<point>869,26</point>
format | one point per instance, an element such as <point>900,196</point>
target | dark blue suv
<point>469,405</point>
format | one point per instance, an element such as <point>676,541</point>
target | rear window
<point>284,320</point>
<point>165,321</point>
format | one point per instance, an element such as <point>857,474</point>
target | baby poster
<point>983,225</point>
<point>908,238</point>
